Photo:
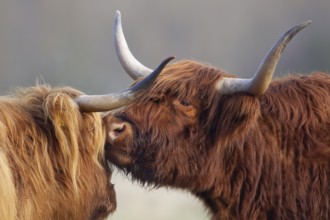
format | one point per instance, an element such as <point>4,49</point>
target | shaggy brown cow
<point>52,162</point>
<point>249,148</point>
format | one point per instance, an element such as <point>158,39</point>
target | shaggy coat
<point>52,163</point>
<point>246,157</point>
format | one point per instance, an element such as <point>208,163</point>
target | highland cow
<point>52,160</point>
<point>248,148</point>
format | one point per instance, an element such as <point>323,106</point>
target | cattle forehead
<point>185,78</point>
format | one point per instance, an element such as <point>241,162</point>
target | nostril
<point>120,128</point>
<point>116,130</point>
<point>117,127</point>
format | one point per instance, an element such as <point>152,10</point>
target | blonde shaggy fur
<point>52,163</point>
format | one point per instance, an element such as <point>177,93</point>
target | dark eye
<point>185,102</point>
<point>156,100</point>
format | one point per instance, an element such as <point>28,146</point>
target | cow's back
<point>296,112</point>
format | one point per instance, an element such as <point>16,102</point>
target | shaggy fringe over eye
<point>45,137</point>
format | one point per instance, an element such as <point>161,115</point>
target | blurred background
<point>70,43</point>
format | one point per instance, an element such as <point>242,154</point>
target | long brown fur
<point>246,157</point>
<point>52,163</point>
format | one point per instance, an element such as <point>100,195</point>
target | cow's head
<point>167,135</point>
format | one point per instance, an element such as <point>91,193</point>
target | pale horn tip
<point>305,23</point>
<point>293,31</point>
<point>117,14</point>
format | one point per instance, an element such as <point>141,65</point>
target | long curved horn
<point>131,65</point>
<point>100,103</point>
<point>259,83</point>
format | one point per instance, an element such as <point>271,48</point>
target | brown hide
<point>52,163</point>
<point>246,157</point>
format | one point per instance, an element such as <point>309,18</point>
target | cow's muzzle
<point>119,136</point>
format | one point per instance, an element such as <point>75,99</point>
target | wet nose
<point>117,131</point>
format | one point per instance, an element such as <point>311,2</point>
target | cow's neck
<point>240,178</point>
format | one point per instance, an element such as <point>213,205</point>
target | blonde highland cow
<point>52,159</point>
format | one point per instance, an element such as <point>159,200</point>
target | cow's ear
<point>236,114</point>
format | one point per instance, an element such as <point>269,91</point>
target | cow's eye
<point>185,102</point>
<point>156,101</point>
